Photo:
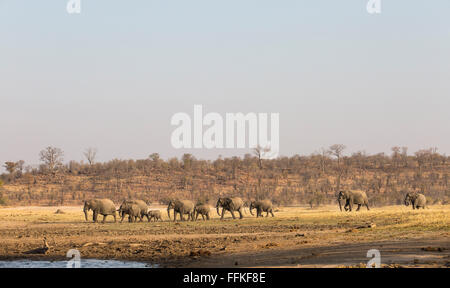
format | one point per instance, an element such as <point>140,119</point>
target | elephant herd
<point>138,209</point>
<point>359,198</point>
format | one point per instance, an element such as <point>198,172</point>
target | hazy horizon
<point>113,76</point>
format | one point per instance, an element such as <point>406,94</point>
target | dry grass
<point>22,228</point>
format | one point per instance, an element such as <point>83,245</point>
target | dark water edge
<point>84,263</point>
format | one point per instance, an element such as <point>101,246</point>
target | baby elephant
<point>262,206</point>
<point>202,209</point>
<point>155,215</point>
<point>417,200</point>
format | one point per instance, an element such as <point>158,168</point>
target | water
<point>85,263</point>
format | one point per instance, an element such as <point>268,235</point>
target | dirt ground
<point>295,237</point>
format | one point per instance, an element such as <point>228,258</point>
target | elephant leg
<point>123,216</point>
<point>94,216</point>
<point>367,205</point>
<point>232,214</point>
<point>181,216</point>
<point>104,218</point>
<point>359,206</point>
<point>241,215</point>
<point>267,213</point>
<point>207,216</point>
<point>271,212</point>
<point>223,213</point>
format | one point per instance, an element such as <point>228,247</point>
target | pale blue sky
<point>113,76</point>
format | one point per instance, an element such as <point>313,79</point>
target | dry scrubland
<point>296,237</point>
<point>313,180</point>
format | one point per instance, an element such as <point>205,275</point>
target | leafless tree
<point>52,157</point>
<point>395,155</point>
<point>324,153</point>
<point>259,152</point>
<point>336,150</point>
<point>90,154</point>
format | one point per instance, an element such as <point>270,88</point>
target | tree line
<point>300,179</point>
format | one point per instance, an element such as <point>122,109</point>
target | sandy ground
<point>296,237</point>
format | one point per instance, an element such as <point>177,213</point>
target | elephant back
<point>421,200</point>
<point>156,213</point>
<point>105,206</point>
<point>236,203</point>
<point>266,204</point>
<point>203,208</point>
<point>187,205</point>
<point>143,207</point>
<point>359,197</point>
<point>135,210</point>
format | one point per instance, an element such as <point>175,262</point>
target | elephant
<point>262,206</point>
<point>134,212</point>
<point>417,200</point>
<point>103,207</point>
<point>353,197</point>
<point>230,204</point>
<point>142,209</point>
<point>202,209</point>
<point>155,215</point>
<point>182,207</point>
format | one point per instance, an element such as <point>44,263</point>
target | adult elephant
<point>131,209</point>
<point>103,207</point>
<point>232,205</point>
<point>142,211</point>
<point>262,206</point>
<point>416,200</point>
<point>351,197</point>
<point>181,207</point>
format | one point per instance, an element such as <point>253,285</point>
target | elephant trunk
<point>168,212</point>
<point>250,209</point>
<point>340,204</point>
<point>217,208</point>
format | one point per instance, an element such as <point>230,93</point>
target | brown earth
<point>296,237</point>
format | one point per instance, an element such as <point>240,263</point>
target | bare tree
<point>395,155</point>
<point>336,150</point>
<point>324,153</point>
<point>259,152</point>
<point>52,157</point>
<point>90,154</point>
